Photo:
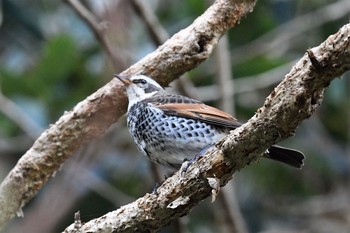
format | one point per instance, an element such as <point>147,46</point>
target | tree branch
<point>227,198</point>
<point>19,116</point>
<point>285,33</point>
<point>247,84</point>
<point>293,100</point>
<point>91,117</point>
<point>98,28</point>
<point>154,28</point>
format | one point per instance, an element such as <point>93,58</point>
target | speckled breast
<point>169,140</point>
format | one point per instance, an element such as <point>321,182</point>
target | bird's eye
<point>141,81</point>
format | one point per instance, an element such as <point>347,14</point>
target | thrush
<point>170,129</point>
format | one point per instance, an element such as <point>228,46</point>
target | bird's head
<point>139,87</point>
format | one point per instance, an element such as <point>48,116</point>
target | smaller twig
<point>155,29</point>
<point>20,117</point>
<point>285,33</point>
<point>225,81</point>
<point>77,221</point>
<point>98,28</point>
<point>316,64</point>
<point>14,145</point>
<point>247,84</point>
<point>229,202</point>
<point>228,199</point>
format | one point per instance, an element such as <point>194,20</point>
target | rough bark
<point>92,116</point>
<point>292,101</point>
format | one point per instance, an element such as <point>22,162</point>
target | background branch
<point>246,84</point>
<point>227,198</point>
<point>292,101</point>
<point>98,28</point>
<point>20,117</point>
<point>290,30</point>
<point>154,28</point>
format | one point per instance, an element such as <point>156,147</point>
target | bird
<point>170,129</point>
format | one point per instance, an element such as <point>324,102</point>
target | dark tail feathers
<point>288,156</point>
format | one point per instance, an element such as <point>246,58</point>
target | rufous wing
<point>201,112</point>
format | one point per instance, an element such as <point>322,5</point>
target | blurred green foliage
<point>58,80</point>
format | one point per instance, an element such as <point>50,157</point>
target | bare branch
<point>247,84</point>
<point>155,29</point>
<point>285,33</point>
<point>98,28</point>
<point>15,144</point>
<point>227,197</point>
<point>225,77</point>
<point>91,117</point>
<point>20,117</point>
<point>292,101</point>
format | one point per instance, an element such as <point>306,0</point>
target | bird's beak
<point>124,80</point>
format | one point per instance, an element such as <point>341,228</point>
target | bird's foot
<point>187,163</point>
<point>155,188</point>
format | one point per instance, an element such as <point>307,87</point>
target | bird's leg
<point>155,188</point>
<point>187,163</point>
